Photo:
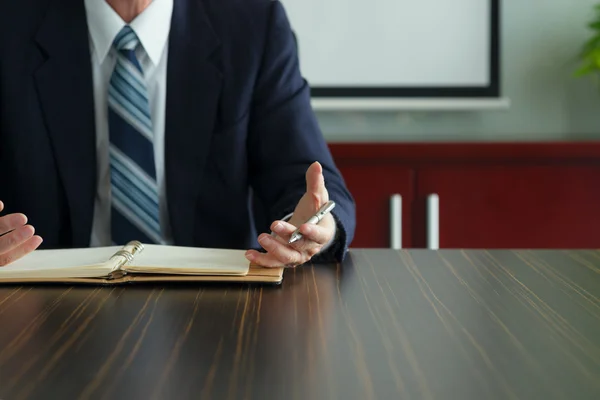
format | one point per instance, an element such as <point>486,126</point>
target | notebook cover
<point>256,274</point>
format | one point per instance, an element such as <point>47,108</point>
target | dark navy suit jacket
<point>239,125</point>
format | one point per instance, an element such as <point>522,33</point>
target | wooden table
<point>386,324</point>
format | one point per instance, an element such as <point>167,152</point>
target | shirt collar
<point>151,26</point>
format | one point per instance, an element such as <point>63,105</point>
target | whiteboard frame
<point>490,91</point>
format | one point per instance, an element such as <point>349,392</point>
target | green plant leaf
<point>584,70</point>
<point>591,44</point>
<point>594,55</point>
<point>590,51</point>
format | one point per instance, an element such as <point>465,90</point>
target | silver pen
<point>315,219</point>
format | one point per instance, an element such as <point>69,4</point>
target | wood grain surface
<point>411,324</point>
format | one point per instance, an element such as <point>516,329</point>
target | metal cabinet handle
<point>433,222</point>
<point>396,222</point>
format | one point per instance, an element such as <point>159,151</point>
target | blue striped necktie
<point>134,193</point>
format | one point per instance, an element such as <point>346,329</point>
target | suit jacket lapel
<point>65,89</point>
<point>193,89</point>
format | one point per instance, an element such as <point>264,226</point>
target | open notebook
<point>137,262</point>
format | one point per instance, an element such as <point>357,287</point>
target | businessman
<point>181,122</point>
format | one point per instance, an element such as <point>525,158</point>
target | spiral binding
<point>126,256</point>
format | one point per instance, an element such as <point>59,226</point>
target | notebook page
<point>62,263</point>
<point>162,259</point>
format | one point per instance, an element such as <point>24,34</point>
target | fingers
<point>286,255</point>
<point>23,249</point>
<point>311,234</point>
<point>315,233</point>
<point>11,221</point>
<point>15,238</point>
<point>283,229</point>
<point>280,253</point>
<point>263,259</point>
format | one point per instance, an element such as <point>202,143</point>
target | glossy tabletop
<point>411,324</point>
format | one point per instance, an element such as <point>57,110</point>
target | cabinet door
<point>512,206</point>
<point>377,190</point>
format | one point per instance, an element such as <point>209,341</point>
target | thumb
<point>315,182</point>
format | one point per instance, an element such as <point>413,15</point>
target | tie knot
<point>126,39</point>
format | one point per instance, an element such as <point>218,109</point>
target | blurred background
<point>539,44</point>
<point>460,124</point>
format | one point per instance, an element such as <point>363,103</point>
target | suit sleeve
<point>285,138</point>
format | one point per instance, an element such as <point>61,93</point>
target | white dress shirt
<point>152,28</point>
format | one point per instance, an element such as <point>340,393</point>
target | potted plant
<point>590,53</point>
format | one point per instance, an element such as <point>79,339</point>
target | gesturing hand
<point>278,251</point>
<point>16,238</point>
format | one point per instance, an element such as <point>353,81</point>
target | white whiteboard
<point>393,43</point>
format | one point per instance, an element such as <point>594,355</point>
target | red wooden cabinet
<point>379,190</point>
<point>504,195</point>
<point>504,206</point>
